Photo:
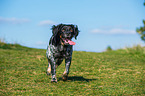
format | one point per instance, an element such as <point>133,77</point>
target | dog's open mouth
<point>68,41</point>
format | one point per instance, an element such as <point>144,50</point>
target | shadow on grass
<point>78,78</point>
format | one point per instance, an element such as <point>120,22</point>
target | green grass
<point>120,72</point>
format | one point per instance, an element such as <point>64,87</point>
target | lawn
<point>119,72</point>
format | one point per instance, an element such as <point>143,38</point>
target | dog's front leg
<point>53,70</point>
<point>67,67</point>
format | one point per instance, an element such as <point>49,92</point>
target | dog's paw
<point>54,79</point>
<point>64,77</point>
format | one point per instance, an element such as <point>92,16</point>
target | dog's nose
<point>68,33</point>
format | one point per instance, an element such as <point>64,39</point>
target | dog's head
<point>64,33</point>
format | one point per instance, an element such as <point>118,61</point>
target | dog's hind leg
<point>49,69</point>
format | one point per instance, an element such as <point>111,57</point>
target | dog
<point>61,47</point>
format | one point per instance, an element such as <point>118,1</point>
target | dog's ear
<point>76,31</point>
<point>55,31</point>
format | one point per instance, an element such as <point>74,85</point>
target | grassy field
<point>120,72</point>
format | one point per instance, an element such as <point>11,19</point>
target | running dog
<point>61,47</point>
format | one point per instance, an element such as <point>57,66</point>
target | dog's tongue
<point>67,41</point>
<point>71,42</point>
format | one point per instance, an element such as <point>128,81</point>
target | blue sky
<point>102,22</point>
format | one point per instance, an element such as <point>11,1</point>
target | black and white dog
<point>61,47</point>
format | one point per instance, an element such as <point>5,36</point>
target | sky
<point>101,23</point>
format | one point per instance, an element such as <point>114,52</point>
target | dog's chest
<point>62,51</point>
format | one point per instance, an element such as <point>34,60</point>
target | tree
<point>141,30</point>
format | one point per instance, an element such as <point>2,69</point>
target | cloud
<point>13,20</point>
<point>40,43</point>
<point>113,31</point>
<point>47,23</point>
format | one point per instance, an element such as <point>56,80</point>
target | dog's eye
<point>70,29</point>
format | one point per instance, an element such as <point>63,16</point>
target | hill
<point>119,72</point>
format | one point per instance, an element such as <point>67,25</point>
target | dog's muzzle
<point>67,35</point>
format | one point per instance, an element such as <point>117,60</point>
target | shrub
<point>109,48</point>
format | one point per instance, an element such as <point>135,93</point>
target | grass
<point>120,72</point>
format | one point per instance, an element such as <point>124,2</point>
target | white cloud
<point>13,20</point>
<point>40,43</point>
<point>113,31</point>
<point>47,22</point>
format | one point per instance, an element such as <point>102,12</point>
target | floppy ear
<point>76,31</point>
<point>55,39</point>
<point>54,30</point>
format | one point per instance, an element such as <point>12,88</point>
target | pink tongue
<point>71,42</point>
